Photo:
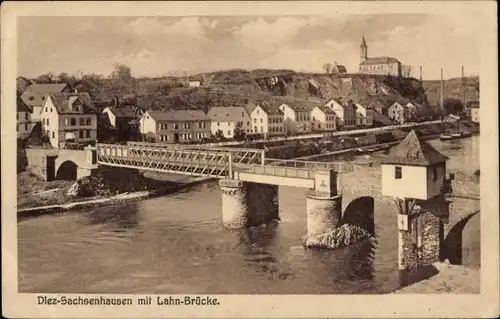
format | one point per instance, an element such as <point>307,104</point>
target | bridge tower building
<point>414,174</point>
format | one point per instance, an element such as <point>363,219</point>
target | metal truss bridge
<point>216,162</point>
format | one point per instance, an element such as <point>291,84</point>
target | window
<point>87,133</point>
<point>261,120</point>
<point>186,125</point>
<point>248,123</point>
<point>47,121</point>
<point>242,114</point>
<point>255,120</point>
<point>218,123</point>
<point>228,132</point>
<point>73,121</point>
<point>50,110</point>
<point>53,135</point>
<point>81,121</point>
<point>80,133</point>
<point>434,173</point>
<point>175,126</point>
<point>257,111</point>
<point>25,126</point>
<point>26,116</point>
<point>88,121</point>
<point>17,127</point>
<point>398,172</point>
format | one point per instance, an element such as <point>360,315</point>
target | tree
<point>239,133</point>
<point>45,78</point>
<point>219,136</point>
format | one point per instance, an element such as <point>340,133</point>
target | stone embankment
<point>340,237</point>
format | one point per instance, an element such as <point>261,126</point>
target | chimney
<point>115,101</point>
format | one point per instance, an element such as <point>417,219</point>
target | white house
<point>346,113</point>
<point>364,115</point>
<point>194,83</point>
<point>175,126</point>
<point>266,118</point>
<point>227,119</point>
<point>323,118</point>
<point>413,169</point>
<point>396,112</point>
<point>69,117</point>
<point>23,118</point>
<point>120,118</point>
<point>35,94</point>
<point>297,116</point>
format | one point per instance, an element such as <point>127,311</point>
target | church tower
<point>364,50</point>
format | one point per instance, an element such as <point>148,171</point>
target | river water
<point>176,244</point>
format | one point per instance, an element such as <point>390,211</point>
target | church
<point>378,65</point>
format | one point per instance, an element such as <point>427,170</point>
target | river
<point>177,244</point>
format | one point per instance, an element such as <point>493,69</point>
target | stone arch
<point>453,243</point>
<point>67,171</point>
<point>361,212</point>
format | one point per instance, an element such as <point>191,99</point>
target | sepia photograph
<point>186,156</point>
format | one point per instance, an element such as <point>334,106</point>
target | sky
<point>161,46</point>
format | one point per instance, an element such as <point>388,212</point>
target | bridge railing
<point>189,162</point>
<point>340,167</point>
<point>239,155</point>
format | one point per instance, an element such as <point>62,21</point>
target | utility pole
<point>442,89</point>
<point>463,91</point>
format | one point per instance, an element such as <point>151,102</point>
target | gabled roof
<point>122,111</point>
<point>271,108</point>
<point>178,115</point>
<point>414,151</point>
<point>325,109</point>
<point>227,114</point>
<point>380,60</point>
<point>21,106</point>
<point>64,101</point>
<point>35,93</point>
<point>301,106</point>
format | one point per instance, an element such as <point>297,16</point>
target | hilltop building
<point>378,65</point>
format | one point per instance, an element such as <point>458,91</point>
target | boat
<point>359,151</point>
<point>447,137</point>
<point>466,134</point>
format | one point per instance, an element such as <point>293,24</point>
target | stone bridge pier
<point>247,204</point>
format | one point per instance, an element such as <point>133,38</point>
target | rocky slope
<point>452,89</point>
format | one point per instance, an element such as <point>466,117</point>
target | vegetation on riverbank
<point>33,192</point>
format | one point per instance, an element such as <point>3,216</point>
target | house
<point>380,107</point>
<point>266,118</point>
<point>378,65</point>
<point>176,126</point>
<point>474,112</point>
<point>23,118</point>
<point>323,118</point>
<point>194,83</point>
<point>22,83</point>
<point>227,119</point>
<point>120,117</point>
<point>34,96</point>
<point>69,117</point>
<point>413,169</point>
<point>397,112</point>
<point>346,113</point>
<point>364,115</point>
<point>297,116</point>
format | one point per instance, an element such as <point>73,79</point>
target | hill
<point>239,86</point>
<point>452,89</point>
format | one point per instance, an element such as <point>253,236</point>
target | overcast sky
<point>156,46</point>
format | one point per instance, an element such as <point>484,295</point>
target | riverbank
<point>36,197</point>
<point>455,279</point>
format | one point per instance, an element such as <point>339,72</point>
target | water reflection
<point>119,218</point>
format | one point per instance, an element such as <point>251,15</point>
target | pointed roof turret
<point>414,151</point>
<point>363,42</point>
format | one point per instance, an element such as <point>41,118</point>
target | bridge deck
<point>210,162</point>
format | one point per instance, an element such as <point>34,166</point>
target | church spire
<point>364,49</point>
